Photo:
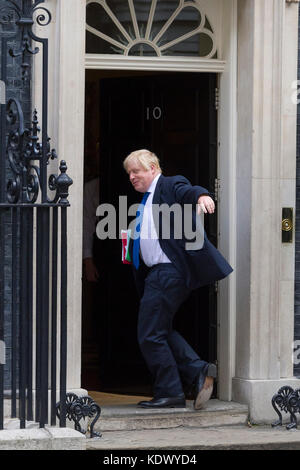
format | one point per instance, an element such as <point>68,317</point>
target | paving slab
<point>193,438</point>
<point>35,438</point>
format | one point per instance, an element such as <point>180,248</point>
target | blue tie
<point>136,241</point>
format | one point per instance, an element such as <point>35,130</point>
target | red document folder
<point>125,236</point>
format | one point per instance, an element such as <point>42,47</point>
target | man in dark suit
<point>166,272</point>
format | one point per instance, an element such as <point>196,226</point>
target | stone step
<point>129,417</point>
<point>195,438</point>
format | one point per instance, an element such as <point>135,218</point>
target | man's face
<point>139,177</point>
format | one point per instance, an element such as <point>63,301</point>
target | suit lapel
<point>156,202</point>
<point>157,192</point>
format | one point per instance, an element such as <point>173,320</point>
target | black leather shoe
<point>172,402</point>
<point>204,388</point>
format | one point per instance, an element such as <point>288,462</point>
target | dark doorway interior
<point>173,115</point>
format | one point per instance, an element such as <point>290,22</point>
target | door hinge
<point>216,287</point>
<point>217,99</point>
<point>217,189</point>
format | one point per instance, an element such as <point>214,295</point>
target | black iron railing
<point>288,400</point>
<point>33,235</point>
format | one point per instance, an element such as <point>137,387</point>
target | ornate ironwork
<point>294,407</point>
<point>78,408</point>
<point>25,21</point>
<point>288,400</point>
<point>33,224</point>
<point>23,149</point>
<point>23,144</point>
<point>60,183</point>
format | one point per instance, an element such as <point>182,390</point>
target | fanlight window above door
<point>149,28</point>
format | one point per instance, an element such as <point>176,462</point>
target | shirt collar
<point>152,186</point>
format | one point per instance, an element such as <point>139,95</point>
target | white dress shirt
<point>150,248</point>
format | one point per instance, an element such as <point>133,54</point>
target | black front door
<point>174,116</point>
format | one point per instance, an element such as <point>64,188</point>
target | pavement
<point>35,438</point>
<point>246,437</point>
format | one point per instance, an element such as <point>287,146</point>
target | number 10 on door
<point>155,113</point>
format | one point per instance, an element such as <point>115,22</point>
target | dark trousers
<point>169,357</point>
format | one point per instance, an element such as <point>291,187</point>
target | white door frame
<point>68,103</point>
<point>226,167</point>
<point>163,64</point>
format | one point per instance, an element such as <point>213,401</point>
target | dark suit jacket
<point>198,267</point>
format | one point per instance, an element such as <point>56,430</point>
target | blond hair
<point>144,157</point>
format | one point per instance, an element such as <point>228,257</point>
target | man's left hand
<point>206,204</point>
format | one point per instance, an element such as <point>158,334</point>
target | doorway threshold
<point>119,413</point>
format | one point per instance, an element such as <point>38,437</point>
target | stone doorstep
<point>130,417</point>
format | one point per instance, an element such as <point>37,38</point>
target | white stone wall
<point>266,159</point>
